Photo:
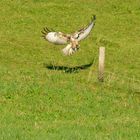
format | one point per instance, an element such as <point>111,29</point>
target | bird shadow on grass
<point>67,69</point>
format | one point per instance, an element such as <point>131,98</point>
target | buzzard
<point>72,40</point>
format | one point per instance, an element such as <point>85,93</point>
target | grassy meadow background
<point>45,95</point>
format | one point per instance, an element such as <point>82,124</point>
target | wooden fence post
<point>101,63</point>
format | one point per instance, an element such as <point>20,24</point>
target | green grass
<point>45,96</point>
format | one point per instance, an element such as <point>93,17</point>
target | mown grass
<point>45,95</point>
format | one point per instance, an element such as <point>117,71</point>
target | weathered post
<point>101,64</point>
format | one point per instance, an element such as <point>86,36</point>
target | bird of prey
<point>72,40</point>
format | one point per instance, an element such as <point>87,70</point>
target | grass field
<point>45,95</point>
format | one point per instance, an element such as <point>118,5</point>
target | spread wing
<point>84,32</point>
<point>55,37</point>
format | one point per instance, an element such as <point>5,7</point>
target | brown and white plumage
<point>72,40</point>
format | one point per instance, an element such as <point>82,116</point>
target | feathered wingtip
<point>45,32</point>
<point>93,18</point>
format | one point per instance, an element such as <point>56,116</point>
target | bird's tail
<point>68,50</point>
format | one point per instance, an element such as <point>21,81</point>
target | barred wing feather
<point>84,32</point>
<point>55,37</point>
